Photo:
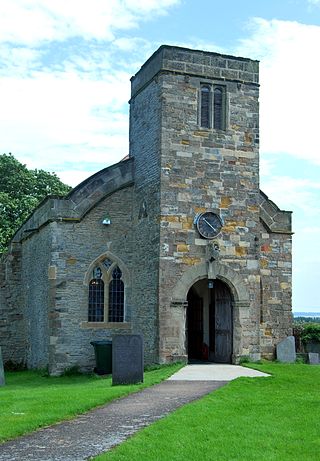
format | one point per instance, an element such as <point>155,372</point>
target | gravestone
<point>286,350</point>
<point>127,359</point>
<point>313,358</point>
<point>2,381</point>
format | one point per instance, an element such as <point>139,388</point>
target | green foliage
<point>299,320</point>
<point>310,332</point>
<point>21,190</point>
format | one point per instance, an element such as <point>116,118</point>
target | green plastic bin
<point>103,355</point>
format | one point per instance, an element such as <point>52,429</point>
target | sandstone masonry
<point>176,170</point>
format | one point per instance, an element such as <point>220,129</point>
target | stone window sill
<point>106,325</point>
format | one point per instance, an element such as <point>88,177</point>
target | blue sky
<point>65,68</point>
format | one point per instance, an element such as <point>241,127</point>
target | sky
<point>65,69</point>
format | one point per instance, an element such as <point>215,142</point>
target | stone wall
<point>206,170</point>
<point>276,283</point>
<point>76,248</point>
<point>36,254</point>
<point>44,297</point>
<point>145,144</point>
<point>218,170</point>
<point>12,320</point>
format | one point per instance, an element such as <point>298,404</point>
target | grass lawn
<point>29,400</point>
<point>265,419</point>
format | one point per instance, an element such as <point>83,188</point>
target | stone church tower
<point>179,232</point>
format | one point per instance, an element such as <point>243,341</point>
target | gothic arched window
<point>116,297</point>
<point>106,292</point>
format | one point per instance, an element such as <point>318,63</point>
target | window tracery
<point>106,293</point>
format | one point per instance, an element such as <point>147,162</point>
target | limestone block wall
<point>24,301</point>
<point>12,319</point>
<point>276,275</point>
<point>75,249</point>
<point>207,169</point>
<point>36,254</point>
<point>145,143</point>
<point>276,289</point>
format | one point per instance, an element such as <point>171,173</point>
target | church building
<point>176,242</point>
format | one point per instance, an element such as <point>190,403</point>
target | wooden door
<point>220,318</point>
<point>194,325</point>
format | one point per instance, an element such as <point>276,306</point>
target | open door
<point>194,325</point>
<point>220,323</point>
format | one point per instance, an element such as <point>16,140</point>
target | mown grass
<point>265,419</point>
<point>30,400</point>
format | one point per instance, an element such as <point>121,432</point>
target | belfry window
<point>213,107</point>
<point>205,107</point>
<point>116,297</point>
<point>218,108</point>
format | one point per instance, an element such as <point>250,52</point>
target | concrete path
<point>214,372</point>
<point>101,429</point>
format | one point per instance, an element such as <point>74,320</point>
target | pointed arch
<point>115,260</point>
<point>107,281</point>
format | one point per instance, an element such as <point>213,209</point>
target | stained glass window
<point>107,263</point>
<point>97,273</point>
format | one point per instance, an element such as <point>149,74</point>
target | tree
<point>21,190</point>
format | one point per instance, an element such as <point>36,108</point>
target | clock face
<point>209,224</point>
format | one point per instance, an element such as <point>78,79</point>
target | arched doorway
<point>209,322</point>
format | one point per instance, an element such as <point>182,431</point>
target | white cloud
<point>64,99</point>
<point>49,117</point>
<point>289,75</point>
<point>301,194</point>
<point>34,21</point>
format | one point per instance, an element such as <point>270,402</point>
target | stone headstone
<point>313,358</point>
<point>2,380</point>
<point>286,350</point>
<point>127,359</point>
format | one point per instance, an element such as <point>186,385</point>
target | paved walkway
<point>99,430</point>
<point>214,372</point>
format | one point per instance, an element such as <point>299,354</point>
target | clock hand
<point>207,222</point>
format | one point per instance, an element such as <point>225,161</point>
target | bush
<point>310,332</point>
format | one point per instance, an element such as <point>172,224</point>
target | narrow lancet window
<point>116,297</point>
<point>205,107</point>
<point>96,298</point>
<point>218,109</point>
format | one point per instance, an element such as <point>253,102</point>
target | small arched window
<point>116,297</point>
<point>218,112</point>
<point>213,107</point>
<point>96,297</point>
<point>205,107</point>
